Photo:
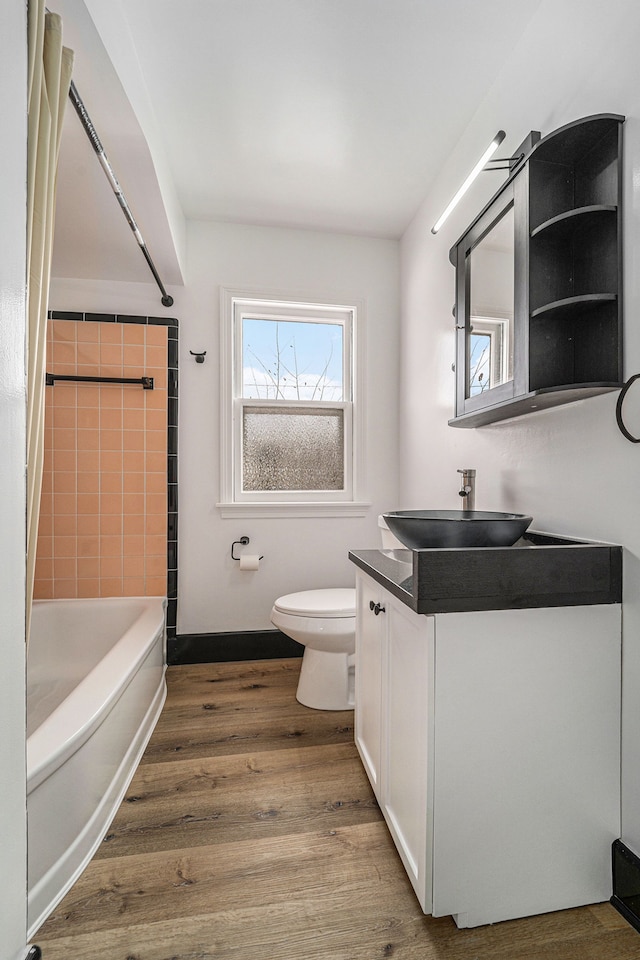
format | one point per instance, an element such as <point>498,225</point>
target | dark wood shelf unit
<point>567,340</point>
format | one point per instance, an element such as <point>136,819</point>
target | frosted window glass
<point>292,449</point>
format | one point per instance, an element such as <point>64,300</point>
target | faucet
<point>468,488</point>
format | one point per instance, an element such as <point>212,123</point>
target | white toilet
<point>325,622</point>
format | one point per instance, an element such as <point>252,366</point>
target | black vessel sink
<point>419,529</point>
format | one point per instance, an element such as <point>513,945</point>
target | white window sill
<point>316,509</point>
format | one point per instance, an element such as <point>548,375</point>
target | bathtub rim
<point>49,889</point>
<point>44,753</point>
<point>46,894</point>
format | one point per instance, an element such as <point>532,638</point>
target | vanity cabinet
<point>539,280</point>
<point>491,740</point>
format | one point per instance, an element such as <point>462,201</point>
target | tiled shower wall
<point>104,509</point>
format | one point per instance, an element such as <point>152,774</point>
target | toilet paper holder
<point>243,541</point>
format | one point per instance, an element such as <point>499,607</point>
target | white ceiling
<point>322,114</point>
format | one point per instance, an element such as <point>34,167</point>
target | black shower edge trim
<point>89,317</point>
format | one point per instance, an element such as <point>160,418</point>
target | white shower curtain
<point>50,66</point>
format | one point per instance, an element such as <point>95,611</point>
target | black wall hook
<point>199,357</point>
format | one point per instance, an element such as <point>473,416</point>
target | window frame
<point>497,329</point>
<point>235,304</point>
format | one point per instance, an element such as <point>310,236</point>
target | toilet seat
<point>325,604</point>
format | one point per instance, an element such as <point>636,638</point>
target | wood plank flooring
<point>250,832</point>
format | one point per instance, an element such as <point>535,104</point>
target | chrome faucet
<point>468,489</point>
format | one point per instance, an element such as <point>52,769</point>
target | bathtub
<point>95,688</point>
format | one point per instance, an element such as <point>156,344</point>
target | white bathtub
<point>95,689</point>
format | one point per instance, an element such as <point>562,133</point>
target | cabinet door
<point>407,742</point>
<point>527,793</point>
<point>370,631</point>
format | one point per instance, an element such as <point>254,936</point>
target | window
<point>490,354</point>
<point>288,413</point>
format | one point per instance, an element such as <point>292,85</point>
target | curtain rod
<point>90,130</point>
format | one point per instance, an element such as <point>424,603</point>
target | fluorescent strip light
<point>491,149</point>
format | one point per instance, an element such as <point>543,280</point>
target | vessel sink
<point>419,529</point>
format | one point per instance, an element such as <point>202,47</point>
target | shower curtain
<point>49,77</point>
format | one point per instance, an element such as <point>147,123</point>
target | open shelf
<point>568,223</point>
<point>575,167</point>
<point>570,307</point>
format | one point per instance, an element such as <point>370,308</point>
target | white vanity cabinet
<point>492,742</point>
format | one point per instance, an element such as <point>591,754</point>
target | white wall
<point>569,467</point>
<point>299,553</point>
<point>13,841</point>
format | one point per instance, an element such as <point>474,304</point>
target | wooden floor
<point>250,832</point>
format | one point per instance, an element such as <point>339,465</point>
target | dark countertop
<point>538,571</point>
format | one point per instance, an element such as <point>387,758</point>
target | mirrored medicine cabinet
<point>538,279</point>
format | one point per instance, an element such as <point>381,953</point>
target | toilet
<point>324,621</point>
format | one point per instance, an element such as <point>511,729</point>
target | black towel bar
<point>147,382</point>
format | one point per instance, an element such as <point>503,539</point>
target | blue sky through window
<point>291,360</point>
<point>479,363</point>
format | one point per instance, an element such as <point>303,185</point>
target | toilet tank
<point>388,539</point>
